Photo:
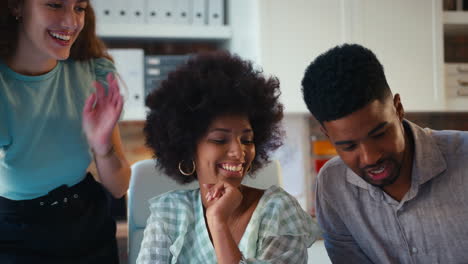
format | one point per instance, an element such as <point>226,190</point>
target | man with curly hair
<point>397,193</point>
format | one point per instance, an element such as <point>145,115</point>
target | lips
<point>380,172</point>
<point>60,37</point>
<point>232,169</point>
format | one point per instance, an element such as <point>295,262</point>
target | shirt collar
<point>428,161</point>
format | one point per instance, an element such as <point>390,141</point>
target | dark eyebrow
<point>245,131</point>
<point>344,142</point>
<point>219,129</point>
<point>375,129</point>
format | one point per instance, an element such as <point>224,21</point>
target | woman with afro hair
<point>215,120</point>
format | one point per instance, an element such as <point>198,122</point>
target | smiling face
<point>371,141</point>
<point>226,151</point>
<point>48,28</point>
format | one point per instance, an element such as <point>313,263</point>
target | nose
<point>236,150</point>
<point>70,19</point>
<point>369,154</point>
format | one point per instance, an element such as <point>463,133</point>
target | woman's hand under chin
<point>222,200</point>
<point>100,115</point>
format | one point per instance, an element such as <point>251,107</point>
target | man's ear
<point>398,107</point>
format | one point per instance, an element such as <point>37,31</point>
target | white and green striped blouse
<point>278,232</point>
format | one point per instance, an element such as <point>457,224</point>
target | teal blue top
<point>279,231</point>
<point>42,145</point>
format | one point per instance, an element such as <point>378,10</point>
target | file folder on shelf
<point>119,11</point>
<point>130,66</point>
<point>198,11</point>
<point>168,11</point>
<point>161,11</point>
<point>215,12</point>
<point>153,11</point>
<point>182,12</point>
<point>136,11</point>
<point>103,11</point>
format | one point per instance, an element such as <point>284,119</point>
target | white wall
<point>318,254</point>
<point>294,157</point>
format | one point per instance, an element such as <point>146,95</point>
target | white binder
<point>182,11</point>
<point>130,66</point>
<point>160,11</point>
<point>136,11</point>
<point>215,12</point>
<point>168,11</point>
<point>102,11</point>
<point>153,12</point>
<point>121,12</point>
<point>198,10</point>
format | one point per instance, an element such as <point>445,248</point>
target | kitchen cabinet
<point>405,35</point>
<point>292,34</point>
<point>455,27</point>
<point>407,38</point>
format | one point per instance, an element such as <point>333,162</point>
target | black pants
<point>68,225</point>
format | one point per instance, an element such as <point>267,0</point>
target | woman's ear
<point>399,107</point>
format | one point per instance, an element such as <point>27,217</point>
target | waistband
<point>58,197</point>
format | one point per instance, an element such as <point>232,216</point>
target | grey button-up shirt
<point>362,224</point>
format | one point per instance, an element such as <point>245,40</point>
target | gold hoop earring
<point>186,173</point>
<point>248,169</point>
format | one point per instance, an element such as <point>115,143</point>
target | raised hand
<point>100,115</point>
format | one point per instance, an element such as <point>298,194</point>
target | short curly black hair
<point>343,80</point>
<point>207,86</point>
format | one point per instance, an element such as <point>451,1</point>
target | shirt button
<point>415,250</point>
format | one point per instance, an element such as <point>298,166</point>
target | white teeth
<point>380,170</point>
<point>60,36</point>
<point>231,167</point>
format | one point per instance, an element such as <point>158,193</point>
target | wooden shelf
<point>455,22</point>
<point>165,32</point>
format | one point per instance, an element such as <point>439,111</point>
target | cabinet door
<point>406,37</point>
<point>292,34</point>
